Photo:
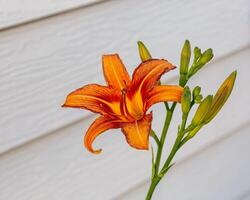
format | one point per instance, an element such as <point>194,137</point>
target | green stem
<point>186,139</point>
<point>151,189</point>
<point>166,105</point>
<point>158,176</point>
<point>170,157</point>
<point>156,179</point>
<point>163,136</point>
<point>176,146</point>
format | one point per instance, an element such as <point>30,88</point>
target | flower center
<point>133,105</point>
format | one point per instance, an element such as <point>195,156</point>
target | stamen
<point>123,105</point>
<point>125,83</point>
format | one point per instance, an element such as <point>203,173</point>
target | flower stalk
<point>205,112</point>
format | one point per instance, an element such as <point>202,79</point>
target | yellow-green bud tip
<point>143,51</point>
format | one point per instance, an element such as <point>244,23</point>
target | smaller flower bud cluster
<point>207,108</point>
<point>200,59</point>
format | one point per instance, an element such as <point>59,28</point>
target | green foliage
<point>206,109</point>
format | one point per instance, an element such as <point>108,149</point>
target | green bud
<point>198,99</point>
<point>143,51</point>
<point>221,96</point>
<point>205,57</point>
<point>196,94</point>
<point>184,62</point>
<point>196,91</point>
<point>197,54</point>
<point>185,57</point>
<point>186,100</point>
<point>202,110</point>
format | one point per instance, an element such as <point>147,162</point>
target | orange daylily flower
<point>124,102</point>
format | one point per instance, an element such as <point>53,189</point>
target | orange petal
<point>148,73</point>
<point>96,98</point>
<point>164,93</point>
<point>100,125</point>
<point>115,72</point>
<point>137,133</point>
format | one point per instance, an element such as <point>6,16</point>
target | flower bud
<point>198,99</point>
<point>196,91</point>
<point>202,110</point>
<point>221,96</point>
<point>205,57</point>
<point>197,54</point>
<point>143,51</point>
<point>185,58</point>
<point>184,63</point>
<point>186,100</point>
<point>196,94</point>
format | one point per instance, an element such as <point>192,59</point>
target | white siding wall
<point>16,12</point>
<point>41,61</point>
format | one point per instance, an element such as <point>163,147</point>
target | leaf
<point>164,170</point>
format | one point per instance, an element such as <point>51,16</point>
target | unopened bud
<point>186,100</point>
<point>185,57</point>
<point>196,91</point>
<point>202,110</point>
<point>197,54</point>
<point>205,57</point>
<point>196,94</point>
<point>184,63</point>
<point>143,51</point>
<point>221,96</point>
<point>198,99</point>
